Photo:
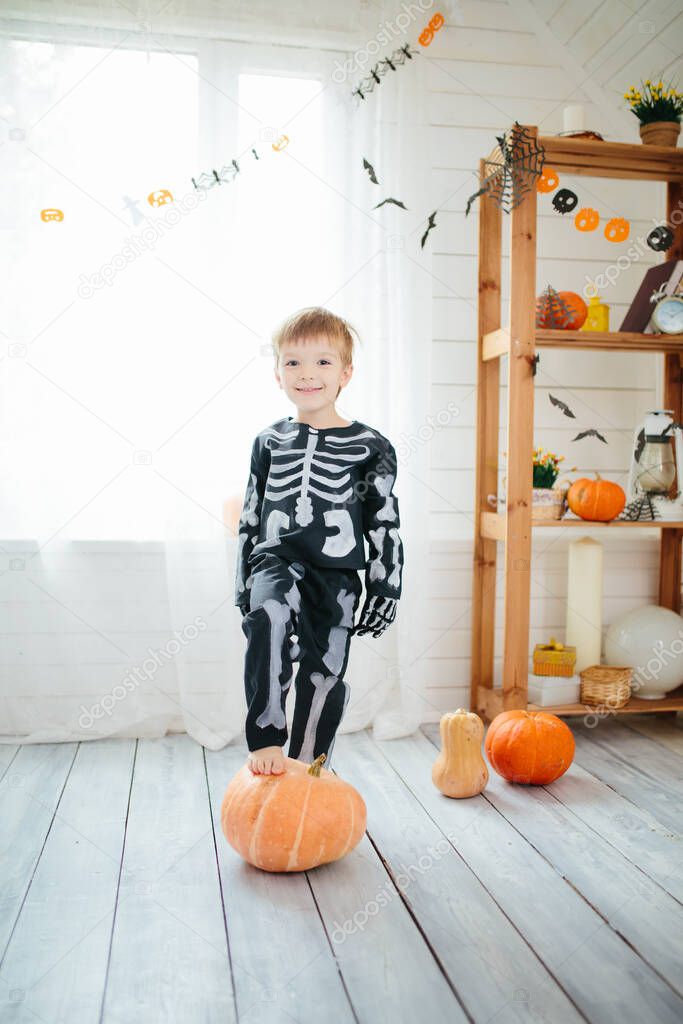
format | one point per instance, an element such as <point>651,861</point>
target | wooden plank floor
<point>121,901</point>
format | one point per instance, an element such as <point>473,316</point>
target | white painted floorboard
<point>120,899</point>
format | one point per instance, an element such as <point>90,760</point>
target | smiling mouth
<point>308,390</point>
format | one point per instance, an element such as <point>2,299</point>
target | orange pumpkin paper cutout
<point>427,34</point>
<point>586,219</point>
<point>617,229</point>
<point>548,181</point>
<point>160,198</point>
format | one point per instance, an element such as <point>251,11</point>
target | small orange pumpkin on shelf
<point>550,313</point>
<point>529,747</point>
<point>460,770</point>
<point>294,821</point>
<point>596,500</point>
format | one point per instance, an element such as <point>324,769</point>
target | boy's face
<point>311,373</point>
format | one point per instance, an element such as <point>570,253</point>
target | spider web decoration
<point>380,69</point>
<point>516,166</point>
<point>552,312</point>
<point>640,509</point>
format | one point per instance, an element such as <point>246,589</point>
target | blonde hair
<point>312,322</point>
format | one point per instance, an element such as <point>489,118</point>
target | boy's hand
<point>377,614</point>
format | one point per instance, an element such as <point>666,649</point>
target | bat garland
<point>398,58</point>
<point>228,173</point>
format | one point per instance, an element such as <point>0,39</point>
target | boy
<point>318,484</point>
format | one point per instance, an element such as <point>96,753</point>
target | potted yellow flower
<point>658,108</point>
<point>548,498</point>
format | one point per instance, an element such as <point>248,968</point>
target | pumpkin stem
<point>314,768</point>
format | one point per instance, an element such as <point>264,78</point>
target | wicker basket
<point>547,503</point>
<point>606,684</point>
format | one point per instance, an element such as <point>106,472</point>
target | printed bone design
<point>248,517</point>
<point>279,614</point>
<point>323,685</point>
<point>311,471</point>
<point>386,514</point>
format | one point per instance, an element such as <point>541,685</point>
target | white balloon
<point>648,639</point>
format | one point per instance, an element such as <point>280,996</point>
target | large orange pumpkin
<point>293,821</point>
<point>529,747</point>
<point>596,500</point>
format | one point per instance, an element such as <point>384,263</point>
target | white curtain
<point>132,385</point>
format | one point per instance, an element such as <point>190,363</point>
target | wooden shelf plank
<point>491,699</point>
<point>493,524</point>
<point>613,159</point>
<point>632,706</point>
<point>616,341</point>
<point>497,343</point>
<point>657,524</point>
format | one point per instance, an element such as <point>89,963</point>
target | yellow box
<point>554,659</point>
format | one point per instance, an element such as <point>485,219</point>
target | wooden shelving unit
<point>518,342</point>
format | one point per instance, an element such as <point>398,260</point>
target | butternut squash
<point>460,770</point>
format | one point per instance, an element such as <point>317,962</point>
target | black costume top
<point>315,494</point>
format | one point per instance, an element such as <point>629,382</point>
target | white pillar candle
<point>584,601</point>
<point>573,118</point>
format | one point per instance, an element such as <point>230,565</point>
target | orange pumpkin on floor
<point>529,747</point>
<point>294,821</point>
<point>596,500</point>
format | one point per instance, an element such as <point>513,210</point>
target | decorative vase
<point>660,133</point>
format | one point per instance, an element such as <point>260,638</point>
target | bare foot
<point>266,761</point>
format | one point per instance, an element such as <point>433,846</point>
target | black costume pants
<point>318,605</point>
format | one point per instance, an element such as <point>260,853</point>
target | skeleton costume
<point>313,496</point>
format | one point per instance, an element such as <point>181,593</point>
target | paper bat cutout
<point>590,433</point>
<point>561,405</point>
<point>396,202</point>
<point>226,174</point>
<point>398,57</point>
<point>430,225</point>
<point>371,172</point>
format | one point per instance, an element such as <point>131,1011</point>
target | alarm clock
<point>667,315</point>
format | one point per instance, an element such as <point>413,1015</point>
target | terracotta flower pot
<point>660,133</point>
